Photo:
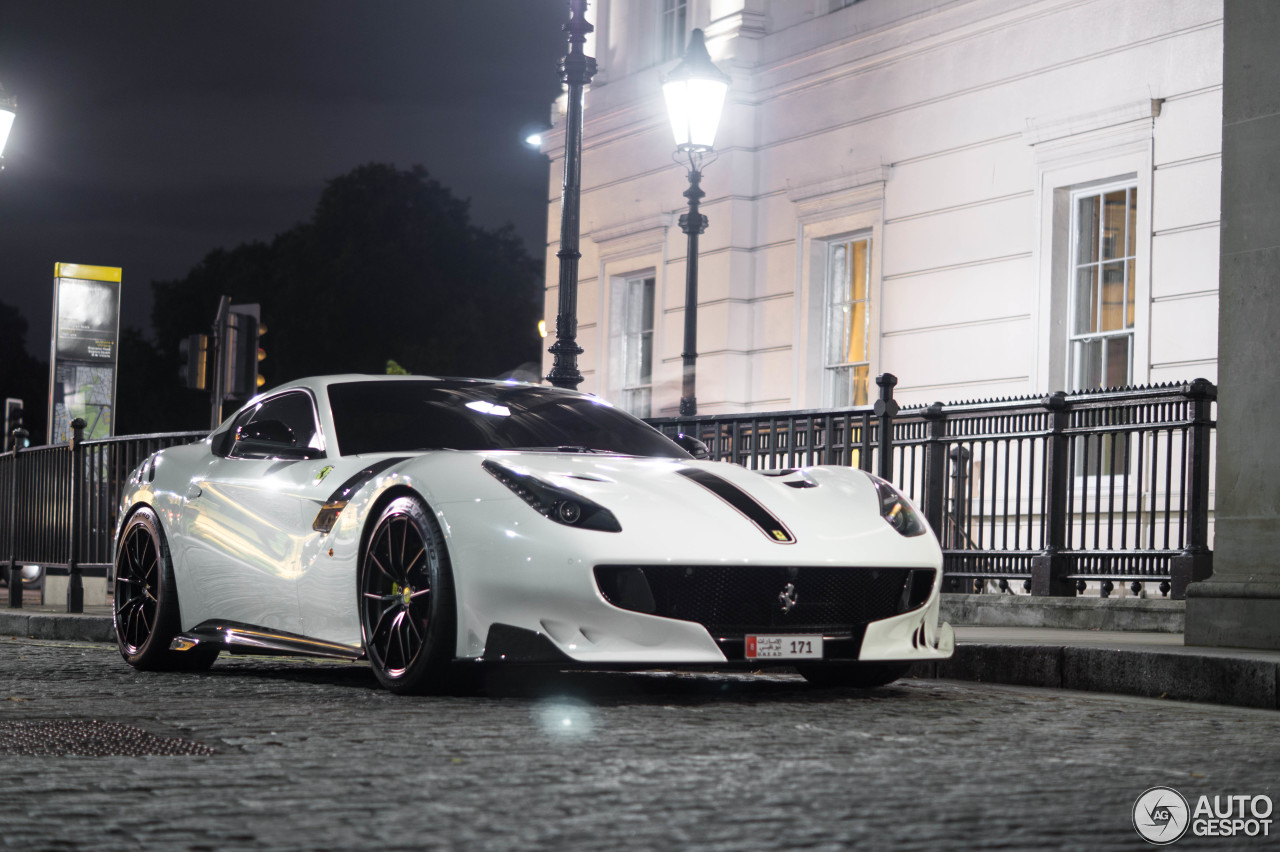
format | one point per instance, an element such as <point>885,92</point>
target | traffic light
<point>194,353</point>
<point>12,420</point>
<point>262,355</point>
<point>243,354</point>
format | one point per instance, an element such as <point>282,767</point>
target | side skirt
<point>248,639</point>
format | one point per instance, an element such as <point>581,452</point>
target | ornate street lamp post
<point>576,70</point>
<point>8,111</point>
<point>695,91</point>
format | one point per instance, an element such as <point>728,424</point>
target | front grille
<point>734,599</point>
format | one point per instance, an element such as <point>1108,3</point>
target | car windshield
<point>401,416</point>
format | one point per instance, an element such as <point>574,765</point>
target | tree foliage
<point>389,267</point>
<point>22,376</point>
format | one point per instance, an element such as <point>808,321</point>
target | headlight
<point>896,511</point>
<point>553,502</point>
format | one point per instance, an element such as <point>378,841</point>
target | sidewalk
<point>1148,664</point>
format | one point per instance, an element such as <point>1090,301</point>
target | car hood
<point>714,500</point>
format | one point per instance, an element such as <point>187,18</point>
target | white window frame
<point>828,212</point>
<point>829,369</point>
<point>1080,153</point>
<point>673,28</point>
<point>1129,264</point>
<point>627,344</point>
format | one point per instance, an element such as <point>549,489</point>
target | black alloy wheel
<point>856,675</point>
<point>407,609</point>
<point>145,613</point>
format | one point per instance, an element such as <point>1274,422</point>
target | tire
<point>406,600</point>
<point>145,613</point>
<point>856,675</point>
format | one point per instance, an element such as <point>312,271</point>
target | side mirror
<point>693,446</point>
<point>268,439</point>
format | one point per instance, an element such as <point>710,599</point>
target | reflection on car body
<point>432,525</point>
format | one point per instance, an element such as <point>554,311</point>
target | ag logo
<point>1161,815</point>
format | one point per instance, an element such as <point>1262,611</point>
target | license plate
<point>784,647</point>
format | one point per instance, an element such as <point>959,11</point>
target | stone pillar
<point>1240,604</point>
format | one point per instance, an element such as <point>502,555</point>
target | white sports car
<point>433,525</point>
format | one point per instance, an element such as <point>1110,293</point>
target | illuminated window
<point>847,321</point>
<point>1102,295</point>
<point>635,344</point>
<point>672,26</point>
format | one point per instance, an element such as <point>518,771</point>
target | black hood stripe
<point>773,529</point>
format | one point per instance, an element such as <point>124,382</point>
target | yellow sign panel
<point>87,273</point>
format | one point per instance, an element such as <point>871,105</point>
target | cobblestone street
<point>309,755</point>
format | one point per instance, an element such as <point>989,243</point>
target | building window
<point>635,345</point>
<point>672,27</point>
<point>1102,293</point>
<point>848,309</point>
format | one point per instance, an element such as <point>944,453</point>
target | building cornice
<point>1040,130</point>
<point>849,193</point>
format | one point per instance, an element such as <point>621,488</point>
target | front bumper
<point>539,578</point>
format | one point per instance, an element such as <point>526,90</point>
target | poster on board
<point>82,364</point>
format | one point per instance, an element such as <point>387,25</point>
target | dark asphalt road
<point>311,756</point>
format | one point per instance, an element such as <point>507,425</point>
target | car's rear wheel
<point>145,612</point>
<point>856,675</point>
<point>407,609</point>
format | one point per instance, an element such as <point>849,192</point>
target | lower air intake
<point>733,599</point>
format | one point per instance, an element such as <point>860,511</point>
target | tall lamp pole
<point>695,91</point>
<point>8,111</point>
<point>576,71</point>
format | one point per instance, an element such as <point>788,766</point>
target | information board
<point>82,364</point>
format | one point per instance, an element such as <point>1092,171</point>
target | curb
<point>74,628</point>
<point>1141,615</point>
<point>1238,681</point>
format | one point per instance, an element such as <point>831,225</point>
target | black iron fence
<point>60,503</point>
<point>1052,492</point>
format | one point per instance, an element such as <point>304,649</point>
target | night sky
<point>150,132</point>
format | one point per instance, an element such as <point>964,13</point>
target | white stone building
<point>984,197</point>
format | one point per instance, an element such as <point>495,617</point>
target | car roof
<point>321,383</point>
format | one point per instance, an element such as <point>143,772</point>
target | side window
<point>671,27</point>
<point>1102,298</point>
<point>635,333</point>
<point>848,305</point>
<point>294,410</point>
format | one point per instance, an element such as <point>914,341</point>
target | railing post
<point>1195,563</point>
<point>15,573</point>
<point>886,408</point>
<point>934,496</point>
<point>75,584</point>
<point>960,458</point>
<point>1049,569</point>
<point>864,441</point>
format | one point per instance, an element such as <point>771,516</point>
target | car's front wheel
<point>407,609</point>
<point>145,614</point>
<point>856,675</point>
